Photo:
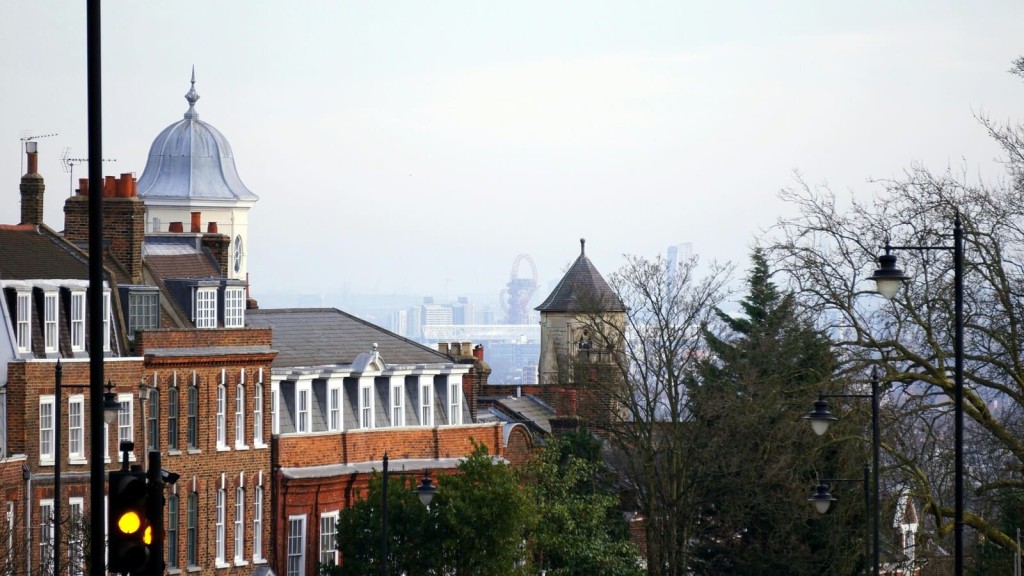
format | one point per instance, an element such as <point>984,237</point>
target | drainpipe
<point>26,475</point>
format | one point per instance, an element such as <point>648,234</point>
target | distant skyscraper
<point>433,314</point>
<point>398,322</point>
<point>676,254</point>
<point>462,312</point>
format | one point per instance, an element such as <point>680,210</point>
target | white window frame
<point>51,309</point>
<point>126,422</point>
<point>239,534</point>
<point>234,307</point>
<point>303,411</point>
<point>455,403</point>
<point>257,524</point>
<point>295,551</point>
<point>398,402</point>
<point>205,307</point>
<point>257,413</point>
<point>192,529</point>
<point>329,538</point>
<point>143,311</point>
<point>77,321</point>
<point>240,412</point>
<point>275,403</point>
<point>334,400</point>
<point>46,535</point>
<point>106,320</point>
<point>76,429</point>
<point>172,538</point>
<point>221,416</point>
<point>76,539</point>
<point>47,435</point>
<point>24,322</point>
<point>219,534</point>
<point>366,415</point>
<point>427,401</point>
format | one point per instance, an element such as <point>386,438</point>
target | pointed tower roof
<point>192,160</point>
<point>582,289</point>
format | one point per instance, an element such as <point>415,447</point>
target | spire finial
<point>192,96</point>
<point>583,242</point>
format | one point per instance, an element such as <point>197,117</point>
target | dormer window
<point>206,307</point>
<point>24,321</point>
<point>50,321</point>
<point>234,307</point>
<point>77,321</point>
<point>143,310</point>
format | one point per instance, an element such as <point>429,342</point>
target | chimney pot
<point>211,228</point>
<point>124,186</point>
<point>109,187</point>
<point>176,227</point>
<point>83,186</point>
<point>196,222</point>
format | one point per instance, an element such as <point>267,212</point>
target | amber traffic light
<point>128,526</point>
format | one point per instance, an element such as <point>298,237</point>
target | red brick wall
<point>124,227</point>
<point>172,338</point>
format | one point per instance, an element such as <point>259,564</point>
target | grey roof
<point>524,409</point>
<point>207,351</point>
<point>328,336</point>
<point>192,160</point>
<point>582,289</point>
<point>31,254</point>
<point>410,465</point>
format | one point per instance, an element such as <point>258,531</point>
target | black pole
<point>97,566</point>
<point>384,521</point>
<point>867,521</point>
<point>58,403</point>
<point>155,513</point>
<point>875,442</point>
<point>958,430</point>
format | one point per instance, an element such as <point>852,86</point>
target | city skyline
<point>392,145</point>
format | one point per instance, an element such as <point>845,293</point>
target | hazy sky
<point>418,147</point>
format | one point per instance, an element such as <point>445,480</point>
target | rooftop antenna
<point>25,138</point>
<point>69,166</point>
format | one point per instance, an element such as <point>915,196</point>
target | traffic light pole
<point>155,514</point>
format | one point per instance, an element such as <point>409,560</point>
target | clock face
<point>238,253</point>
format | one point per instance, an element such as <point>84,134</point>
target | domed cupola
<point>191,159</point>
<point>190,177</point>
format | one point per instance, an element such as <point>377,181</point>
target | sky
<point>419,147</point>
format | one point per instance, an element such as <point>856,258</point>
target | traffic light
<point>128,525</point>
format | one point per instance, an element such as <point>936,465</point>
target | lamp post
<point>425,491</point>
<point>820,419</point>
<point>822,500</point>
<point>888,279</point>
<point>110,409</point>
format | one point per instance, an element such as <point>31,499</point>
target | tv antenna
<point>69,166</point>
<point>25,137</point>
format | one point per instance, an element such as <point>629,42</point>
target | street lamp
<point>822,501</point>
<point>425,491</point>
<point>888,279</point>
<point>110,409</point>
<point>820,419</point>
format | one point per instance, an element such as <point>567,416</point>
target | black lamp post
<point>110,409</point>
<point>425,491</point>
<point>822,501</point>
<point>888,279</point>
<point>820,419</point>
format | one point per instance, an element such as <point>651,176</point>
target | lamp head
<point>110,404</point>
<point>820,418</point>
<point>888,278</point>
<point>821,499</point>
<point>426,490</point>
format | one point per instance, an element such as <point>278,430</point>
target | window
<point>302,408</point>
<point>172,531</point>
<point>106,442</point>
<point>296,546</point>
<point>334,406</point>
<point>153,419</point>
<point>46,536</point>
<point>397,404</point>
<point>366,405</point>
<point>206,308</point>
<point>125,419</point>
<point>275,422</point>
<point>77,321</point>
<point>24,321</point>
<point>455,403</point>
<point>222,437</point>
<point>76,428</point>
<point>240,413</point>
<point>219,527</point>
<point>257,413</point>
<point>191,530</point>
<point>239,525</point>
<point>329,538</point>
<point>257,524</point>
<point>46,444</point>
<point>143,311</point>
<point>106,320</point>
<point>76,539</point>
<point>172,416</point>
<point>193,415</point>
<point>9,562</point>
<point>50,322</point>
<point>234,307</point>
<point>426,404</point>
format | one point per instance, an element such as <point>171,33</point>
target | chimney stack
<point>32,188</point>
<point>124,221</point>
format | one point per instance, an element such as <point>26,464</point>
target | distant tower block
<point>515,297</point>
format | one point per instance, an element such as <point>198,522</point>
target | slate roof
<point>30,254</point>
<point>582,289</point>
<point>328,336</point>
<point>525,409</point>
<point>183,266</point>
